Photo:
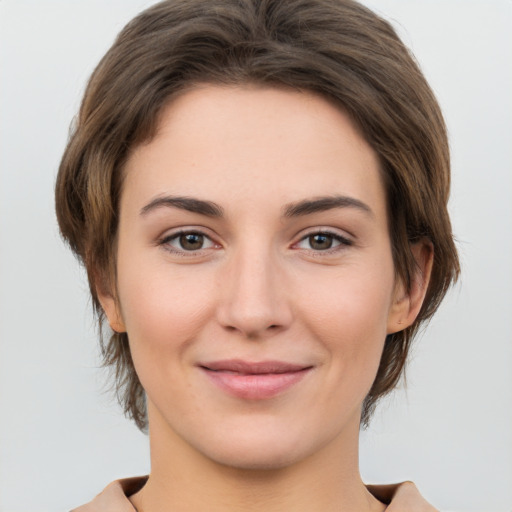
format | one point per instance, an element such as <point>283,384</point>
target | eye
<point>188,241</point>
<point>323,241</point>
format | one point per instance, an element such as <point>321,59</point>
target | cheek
<point>163,311</point>
<point>350,321</point>
<point>356,299</point>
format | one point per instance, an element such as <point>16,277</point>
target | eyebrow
<point>298,209</point>
<point>321,204</point>
<point>208,208</point>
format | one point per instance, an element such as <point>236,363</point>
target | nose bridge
<point>253,300</point>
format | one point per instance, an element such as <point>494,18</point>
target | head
<point>335,50</point>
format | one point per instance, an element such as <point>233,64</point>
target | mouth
<point>254,380</point>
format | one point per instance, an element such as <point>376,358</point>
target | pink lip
<point>254,381</point>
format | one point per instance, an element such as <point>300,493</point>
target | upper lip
<point>251,368</point>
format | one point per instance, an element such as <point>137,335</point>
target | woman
<point>258,192</point>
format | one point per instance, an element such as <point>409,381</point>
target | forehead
<point>258,144</point>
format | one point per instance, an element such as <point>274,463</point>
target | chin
<point>256,458</point>
<point>261,449</point>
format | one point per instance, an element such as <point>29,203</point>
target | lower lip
<point>255,386</point>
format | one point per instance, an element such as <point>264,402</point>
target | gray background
<point>63,438</point>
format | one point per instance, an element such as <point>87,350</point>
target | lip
<point>254,380</point>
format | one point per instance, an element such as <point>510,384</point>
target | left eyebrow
<point>321,204</point>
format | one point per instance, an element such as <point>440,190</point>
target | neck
<point>185,480</point>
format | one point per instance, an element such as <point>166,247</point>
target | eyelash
<point>166,240</point>
<point>343,242</point>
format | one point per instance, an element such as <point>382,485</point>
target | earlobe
<point>407,303</point>
<point>110,307</point>
<point>113,315</point>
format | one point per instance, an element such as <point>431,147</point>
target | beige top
<point>402,497</point>
<point>114,496</point>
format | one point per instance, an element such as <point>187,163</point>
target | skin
<point>262,287</point>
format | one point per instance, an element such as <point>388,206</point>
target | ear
<point>407,304</point>
<point>110,305</point>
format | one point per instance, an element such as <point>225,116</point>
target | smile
<point>254,381</point>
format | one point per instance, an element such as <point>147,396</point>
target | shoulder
<point>403,497</point>
<point>114,497</point>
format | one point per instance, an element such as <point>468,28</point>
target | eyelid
<point>164,241</point>
<point>344,240</point>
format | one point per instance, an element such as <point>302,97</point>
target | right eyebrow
<point>191,204</point>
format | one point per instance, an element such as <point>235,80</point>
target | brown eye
<point>191,241</point>
<point>324,241</point>
<point>320,241</point>
<point>187,243</point>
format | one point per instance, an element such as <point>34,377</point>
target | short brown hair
<point>336,48</point>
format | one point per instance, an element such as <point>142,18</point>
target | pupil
<point>320,242</point>
<point>191,241</point>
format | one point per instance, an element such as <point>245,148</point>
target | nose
<point>254,296</point>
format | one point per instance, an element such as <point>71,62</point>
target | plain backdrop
<point>62,435</point>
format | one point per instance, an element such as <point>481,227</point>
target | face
<point>255,276</point>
